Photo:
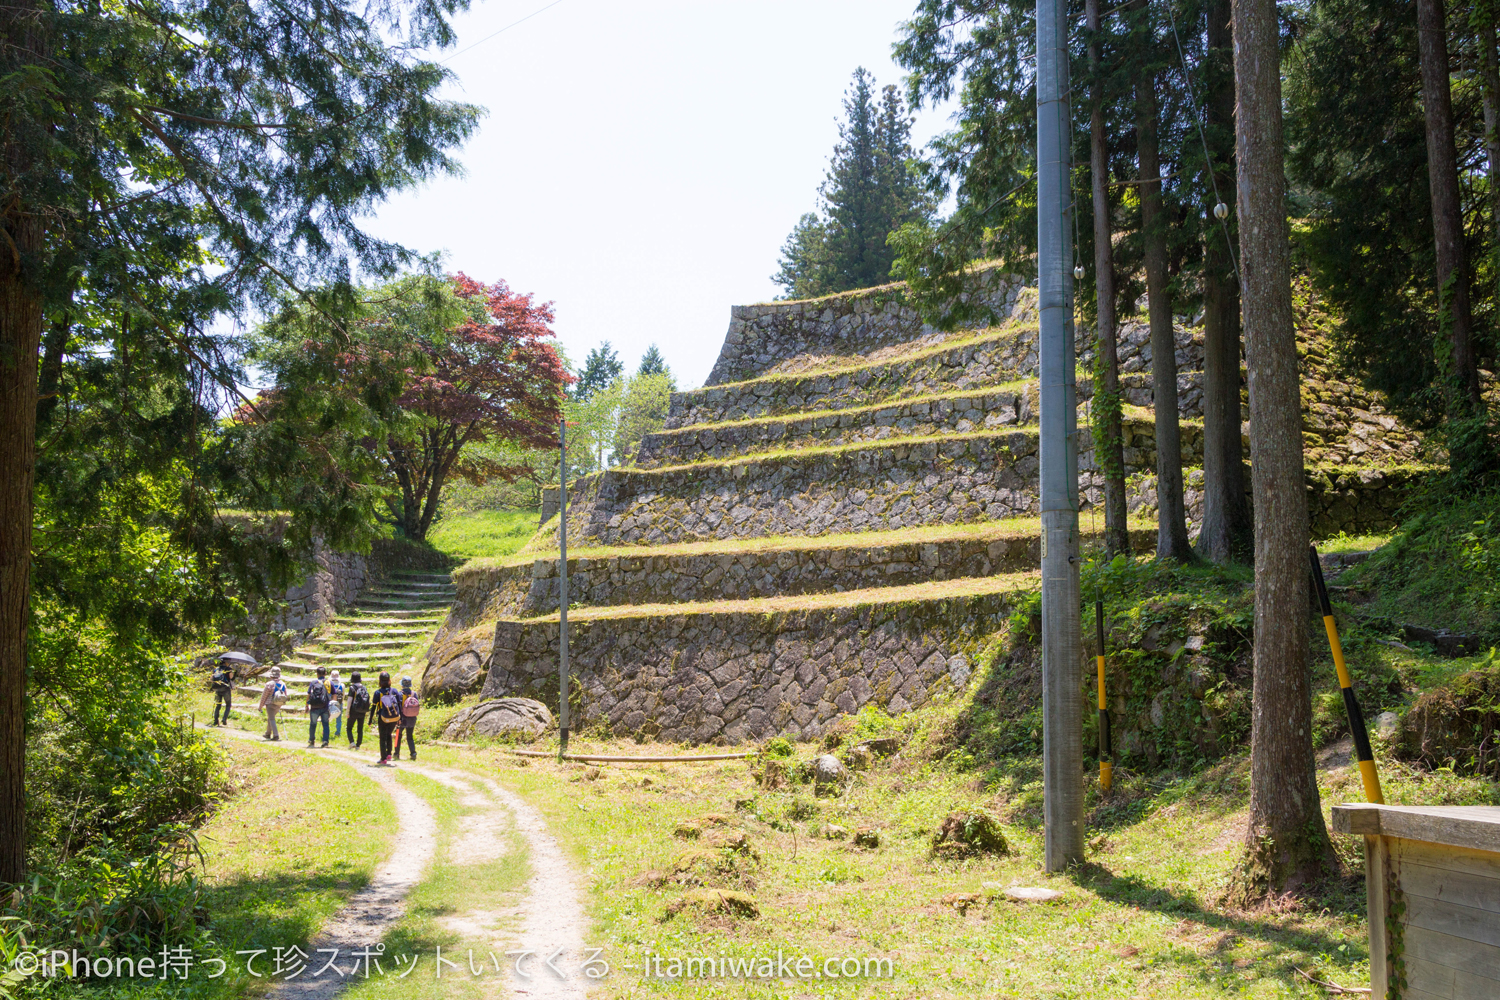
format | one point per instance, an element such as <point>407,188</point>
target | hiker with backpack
<point>317,707</point>
<point>386,711</point>
<point>336,703</point>
<point>359,707</point>
<point>272,697</point>
<point>410,706</point>
<point>223,685</point>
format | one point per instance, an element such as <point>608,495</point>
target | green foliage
<point>483,533</point>
<point>652,363</point>
<point>1440,568</point>
<point>871,190</point>
<point>600,370</point>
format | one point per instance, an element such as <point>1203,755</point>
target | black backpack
<point>317,694</point>
<point>221,679</point>
<point>359,698</point>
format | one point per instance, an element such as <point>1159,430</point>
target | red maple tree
<point>495,378</point>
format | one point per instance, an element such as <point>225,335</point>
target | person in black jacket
<point>385,710</point>
<point>223,685</point>
<point>358,697</point>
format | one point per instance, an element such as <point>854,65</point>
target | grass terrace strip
<point>934,591</point>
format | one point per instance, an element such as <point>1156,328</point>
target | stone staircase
<point>390,623</point>
<point>845,516</point>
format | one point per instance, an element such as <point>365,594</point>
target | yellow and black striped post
<point>1356,718</point>
<point>1106,751</point>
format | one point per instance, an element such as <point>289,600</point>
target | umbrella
<point>235,657</point>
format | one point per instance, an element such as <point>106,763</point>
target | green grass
<point>1140,919</point>
<point>1016,527</point>
<point>483,534</point>
<point>298,839</point>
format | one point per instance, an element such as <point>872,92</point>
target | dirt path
<point>551,917</point>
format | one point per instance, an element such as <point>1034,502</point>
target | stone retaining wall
<point>875,488</point>
<point>531,589</point>
<point>763,336</point>
<point>728,677</point>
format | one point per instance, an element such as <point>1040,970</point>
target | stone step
<point>919,416</point>
<point>403,634</point>
<point>355,645</point>
<point>415,598</point>
<point>396,603</point>
<point>392,617</point>
<point>325,659</point>
<point>709,571</point>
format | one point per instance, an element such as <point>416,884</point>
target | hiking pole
<point>1357,729</point>
<point>1106,750</point>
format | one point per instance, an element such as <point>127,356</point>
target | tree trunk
<point>1287,842</point>
<point>23,41</point>
<point>1447,212</point>
<point>1225,534</point>
<point>1171,515</point>
<point>1490,79</point>
<point>1109,448</point>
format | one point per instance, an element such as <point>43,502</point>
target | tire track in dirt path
<point>551,916</point>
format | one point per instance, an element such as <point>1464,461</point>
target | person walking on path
<point>410,706</point>
<point>386,710</point>
<point>336,703</point>
<point>359,707</point>
<point>272,697</point>
<point>223,685</point>
<point>317,707</point>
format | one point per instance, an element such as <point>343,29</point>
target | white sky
<point>642,163</point>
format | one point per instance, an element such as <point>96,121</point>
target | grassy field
<point>299,837</point>
<point>483,534</point>
<point>1142,918</point>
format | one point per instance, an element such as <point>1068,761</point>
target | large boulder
<point>521,718</point>
<point>457,664</point>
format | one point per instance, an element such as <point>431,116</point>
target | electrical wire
<point>486,38</point>
<point>1207,159</point>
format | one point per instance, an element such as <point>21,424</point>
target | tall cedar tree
<point>1226,530</point>
<point>251,135</point>
<point>1358,152</point>
<point>1171,512</point>
<point>1106,408</point>
<point>652,363</point>
<point>979,52</point>
<point>870,192</point>
<point>1286,840</point>
<point>600,369</point>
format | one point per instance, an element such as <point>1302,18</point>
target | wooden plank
<point>1484,864</point>
<point>1473,827</point>
<point>1468,986</point>
<point>1429,977</point>
<point>1454,952</point>
<point>1412,993</point>
<point>1465,922</point>
<point>1357,818</point>
<point>1448,886</point>
<point>1377,858</point>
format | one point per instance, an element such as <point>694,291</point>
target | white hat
<point>275,671</point>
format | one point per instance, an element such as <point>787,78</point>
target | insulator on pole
<point>1078,272</point>
<point>1221,211</point>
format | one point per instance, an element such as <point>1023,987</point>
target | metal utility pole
<point>1062,678</point>
<point>562,586</point>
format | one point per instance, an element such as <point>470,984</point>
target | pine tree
<point>600,369</point>
<point>652,363</point>
<point>870,191</point>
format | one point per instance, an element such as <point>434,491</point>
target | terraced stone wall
<point>859,489</point>
<point>762,337</point>
<point>726,677</point>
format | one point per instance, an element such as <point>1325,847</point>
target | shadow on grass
<point>261,911</point>
<point>1339,899</point>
